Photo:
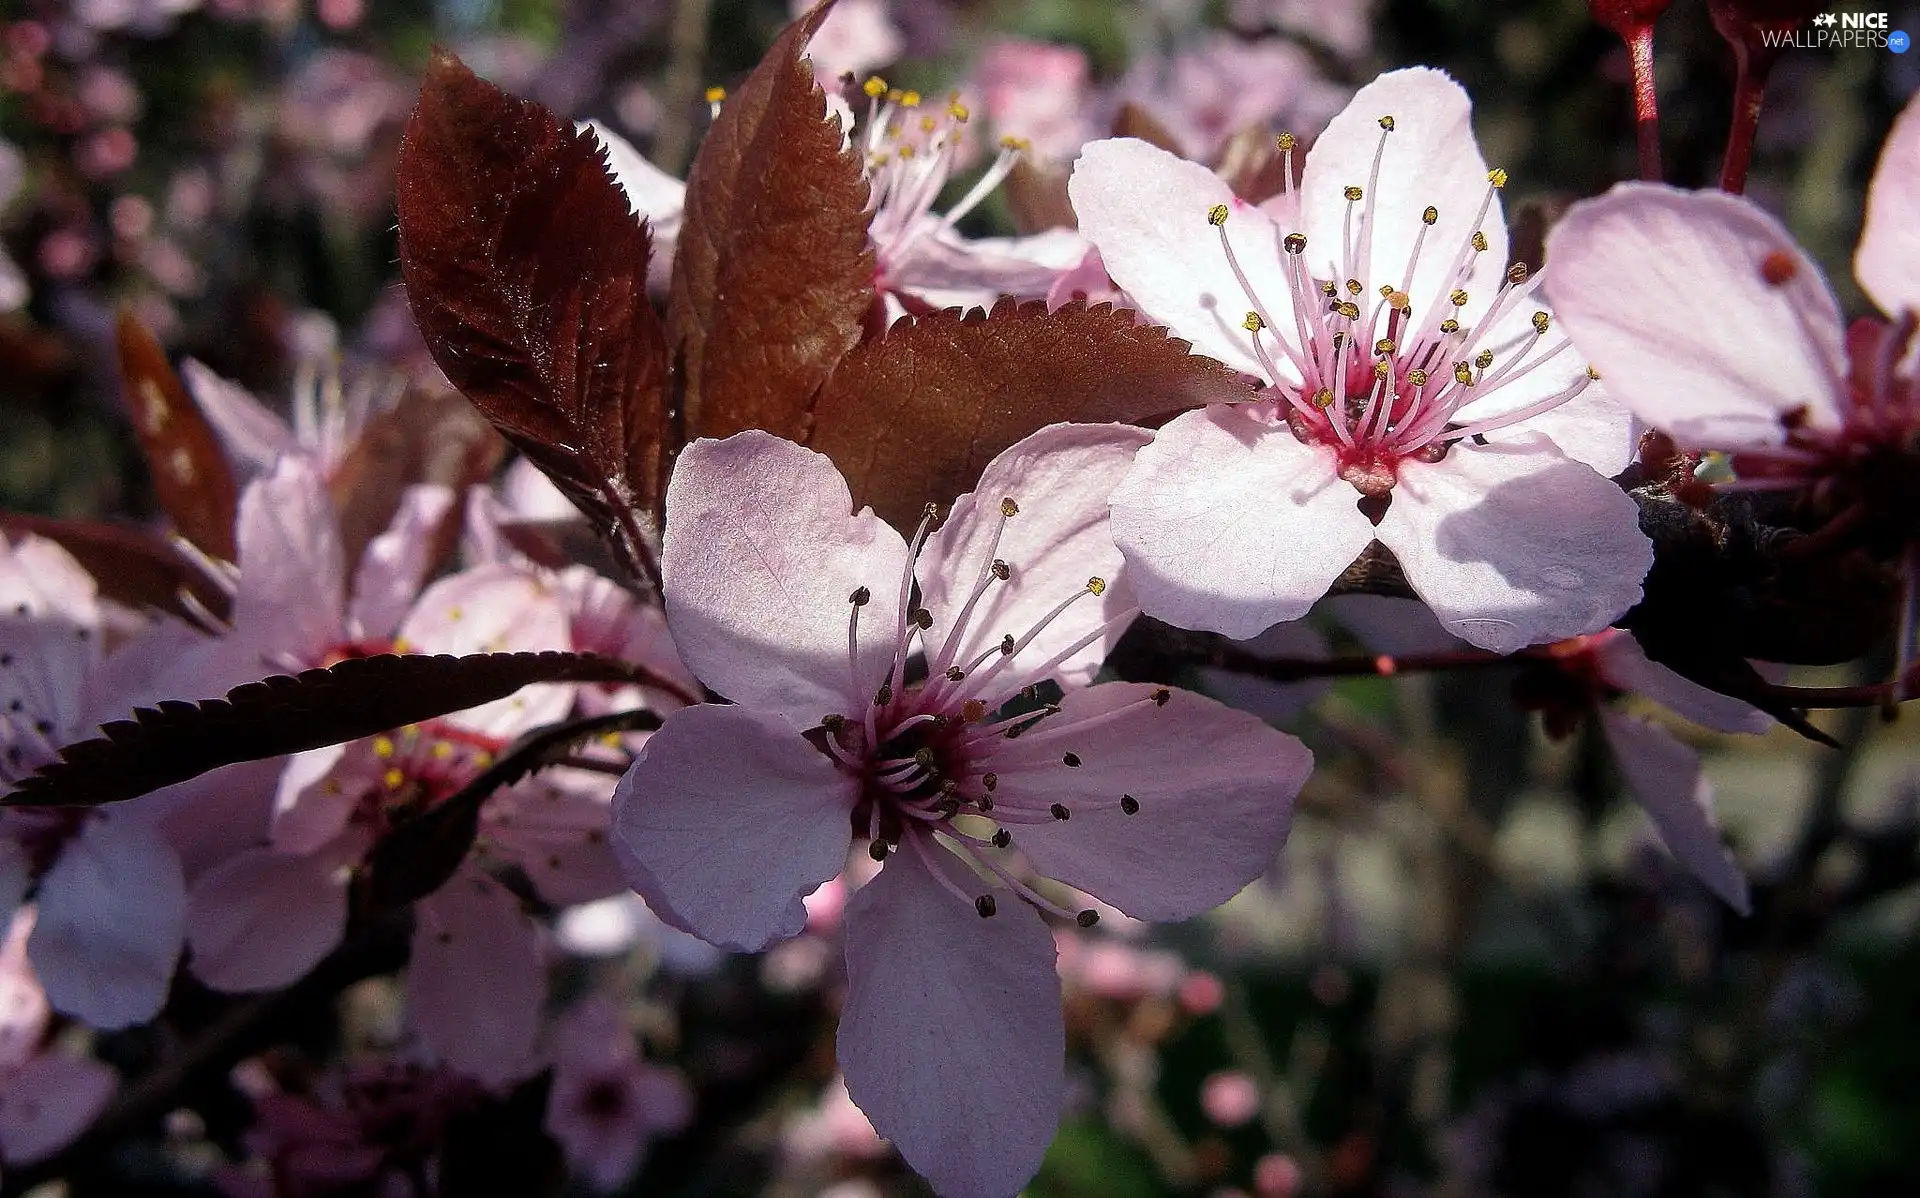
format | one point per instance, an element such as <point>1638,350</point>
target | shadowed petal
<point>261,920</point>
<point>1628,667</point>
<point>1207,818</point>
<point>49,1101</point>
<point>476,981</point>
<point>396,562</point>
<point>293,580</point>
<point>1230,525</point>
<point>112,914</point>
<point>952,1040</point>
<point>1514,545</point>
<point>1665,778</point>
<point>726,819</point>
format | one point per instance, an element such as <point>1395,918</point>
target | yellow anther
<point>1479,242</point>
<point>1463,373</point>
<point>1383,346</point>
<point>402,645</point>
<point>1295,243</point>
<point>910,100</point>
<point>958,111</point>
<point>442,750</point>
<point>1096,585</point>
<point>1217,215</point>
<point>483,759</point>
<point>1517,273</point>
<point>1009,508</point>
<point>1286,143</point>
<point>1253,323</point>
<point>1449,326</point>
<point>1484,359</point>
<point>383,747</point>
<point>1354,287</point>
<point>1399,301</point>
<point>1497,177</point>
<point>1593,374</point>
<point>1386,289</point>
<point>716,94</point>
<point>928,124</point>
<point>1417,377</point>
<point>612,739</point>
<point>1018,145</point>
<point>1353,193</point>
<point>1458,299</point>
<point>1381,370</point>
<point>393,779</point>
<point>875,87</point>
<point>456,612</point>
<point>906,152</point>
<point>1386,122</point>
<point>1323,398</point>
<point>1328,289</point>
<point>1431,215</point>
<point>1540,320</point>
<point>894,94</point>
<point>1348,309</point>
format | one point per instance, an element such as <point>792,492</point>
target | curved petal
<point>252,436</point>
<point>1145,210</point>
<point>1230,525</point>
<point>476,981</point>
<point>652,194</point>
<point>727,818</point>
<point>1664,292</point>
<point>1429,159</point>
<point>310,805</point>
<point>558,835</point>
<point>1627,666</point>
<point>1061,480</point>
<point>263,919</point>
<point>292,589</point>
<point>1205,819</point>
<point>1888,260</point>
<point>762,549</point>
<point>1666,780</point>
<point>949,271</point>
<point>952,1040</point>
<point>48,1102</point>
<point>396,562</point>
<point>1514,545</point>
<point>112,912</point>
<point>494,609</point>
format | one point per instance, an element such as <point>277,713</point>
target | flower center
<point>923,746</point>
<point>419,766</point>
<point>1381,376</point>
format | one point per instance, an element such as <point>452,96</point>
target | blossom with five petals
<point>888,691</point>
<point>1416,394</point>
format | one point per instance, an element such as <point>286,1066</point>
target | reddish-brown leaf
<point>1037,197</point>
<point>130,565</point>
<point>191,476</point>
<point>912,417</point>
<point>290,713</point>
<point>527,274</point>
<point>1135,121</point>
<point>773,275</point>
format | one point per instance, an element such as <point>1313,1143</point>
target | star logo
<point>1825,18</point>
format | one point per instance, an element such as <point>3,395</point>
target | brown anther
<point>1294,243</point>
<point>985,906</point>
<point>1449,326</point>
<point>1285,142</point>
<point>922,618</point>
<point>923,757</point>
<point>884,695</point>
<point>1009,508</point>
<point>1002,570</point>
<point>1002,839</point>
<point>1353,194</point>
<point>1517,273</point>
<point>1479,241</point>
<point>1129,805</point>
<point>1383,346</point>
<point>877,850</point>
<point>1006,645</point>
<point>955,674</point>
<point>1070,760</point>
<point>1161,696</point>
<point>861,597</point>
<point>973,711</point>
<point>990,780</point>
<point>1087,918</point>
<point>1354,287</point>
<point>1059,811</point>
<point>1431,215</point>
<point>1484,359</point>
<point>1458,298</point>
<point>1540,322</point>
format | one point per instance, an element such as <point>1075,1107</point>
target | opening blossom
<point>1715,327</point>
<point>888,691</point>
<point>1417,391</point>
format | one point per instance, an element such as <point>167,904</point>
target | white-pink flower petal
<point>762,551</point>
<point>1514,545</point>
<point>1665,778</point>
<point>1161,835</point>
<point>476,980</point>
<point>112,913</point>
<point>1700,313</point>
<point>1230,524</point>
<point>261,920</point>
<point>728,818</point>
<point>952,1040</point>
<point>1888,260</point>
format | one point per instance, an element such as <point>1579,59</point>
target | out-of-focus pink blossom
<point>856,37</point>
<point>48,1095</point>
<point>1038,92</point>
<point>804,613</point>
<point>1417,395</point>
<point>607,1103</point>
<point>1230,1098</point>
<point>1206,94</point>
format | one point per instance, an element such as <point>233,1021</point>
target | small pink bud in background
<point>1230,1098</point>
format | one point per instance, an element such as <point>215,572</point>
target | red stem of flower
<point>1755,65</point>
<point>1646,102</point>
<point>1299,669</point>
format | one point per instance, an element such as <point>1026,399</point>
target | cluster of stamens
<point>419,766</point>
<point>923,748</point>
<point>1382,376</point>
<point>912,149</point>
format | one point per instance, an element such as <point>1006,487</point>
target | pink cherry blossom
<point>1416,394</point>
<point>856,37</point>
<point>607,1103</point>
<point>109,888</point>
<point>1713,325</point>
<point>1207,93</point>
<point>966,783</point>
<point>1037,92</point>
<point>48,1095</point>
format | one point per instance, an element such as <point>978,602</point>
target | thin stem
<point>1755,64</point>
<point>1646,103</point>
<point>1299,669</point>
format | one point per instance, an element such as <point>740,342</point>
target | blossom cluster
<point>823,701</point>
